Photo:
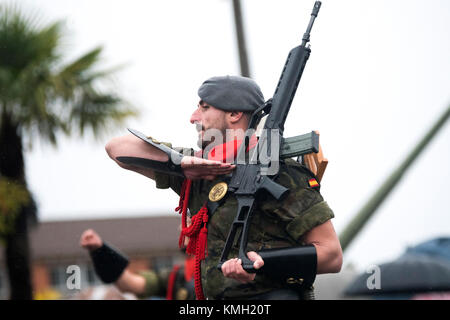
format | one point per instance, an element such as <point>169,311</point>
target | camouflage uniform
<point>274,225</point>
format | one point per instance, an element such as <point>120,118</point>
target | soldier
<point>300,222</point>
<point>111,266</point>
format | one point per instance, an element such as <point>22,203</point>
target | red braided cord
<point>198,277</point>
<point>203,236</point>
<point>197,235</point>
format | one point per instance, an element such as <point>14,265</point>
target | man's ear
<point>235,116</point>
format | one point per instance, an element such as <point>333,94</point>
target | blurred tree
<point>41,97</point>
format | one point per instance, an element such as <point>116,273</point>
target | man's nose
<point>195,117</point>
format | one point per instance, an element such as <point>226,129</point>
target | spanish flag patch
<point>313,183</point>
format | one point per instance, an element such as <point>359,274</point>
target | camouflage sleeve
<point>152,284</point>
<point>155,283</point>
<point>304,208</point>
<point>307,220</point>
<point>165,181</point>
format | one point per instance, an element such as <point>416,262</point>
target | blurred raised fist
<point>90,240</point>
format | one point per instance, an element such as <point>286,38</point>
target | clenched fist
<point>90,240</point>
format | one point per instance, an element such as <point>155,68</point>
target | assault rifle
<point>253,175</point>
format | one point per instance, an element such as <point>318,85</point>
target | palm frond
<point>22,44</point>
<point>83,63</point>
<point>40,93</point>
<point>100,112</point>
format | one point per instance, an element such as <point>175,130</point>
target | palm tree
<point>43,97</point>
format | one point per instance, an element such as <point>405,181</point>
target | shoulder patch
<point>313,183</point>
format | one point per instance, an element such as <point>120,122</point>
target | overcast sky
<point>377,79</point>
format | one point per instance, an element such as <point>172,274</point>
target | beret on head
<point>231,93</point>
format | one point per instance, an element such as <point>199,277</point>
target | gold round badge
<point>218,191</point>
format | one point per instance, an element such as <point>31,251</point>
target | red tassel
<point>197,235</point>
<point>202,238</point>
<point>198,280</point>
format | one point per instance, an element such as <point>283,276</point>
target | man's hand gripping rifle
<point>254,175</point>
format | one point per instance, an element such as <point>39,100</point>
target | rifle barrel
<point>314,14</point>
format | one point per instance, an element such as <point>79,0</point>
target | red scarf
<point>227,152</point>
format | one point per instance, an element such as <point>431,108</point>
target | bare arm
<point>328,247</point>
<point>130,145</point>
<point>131,282</point>
<point>193,167</point>
<point>128,281</point>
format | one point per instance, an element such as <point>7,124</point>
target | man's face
<point>206,117</point>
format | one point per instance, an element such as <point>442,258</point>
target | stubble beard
<point>208,138</point>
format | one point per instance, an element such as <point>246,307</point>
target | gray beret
<point>231,93</point>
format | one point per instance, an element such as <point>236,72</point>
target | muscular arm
<point>131,282</point>
<point>328,247</point>
<point>132,146</point>
<point>193,167</point>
